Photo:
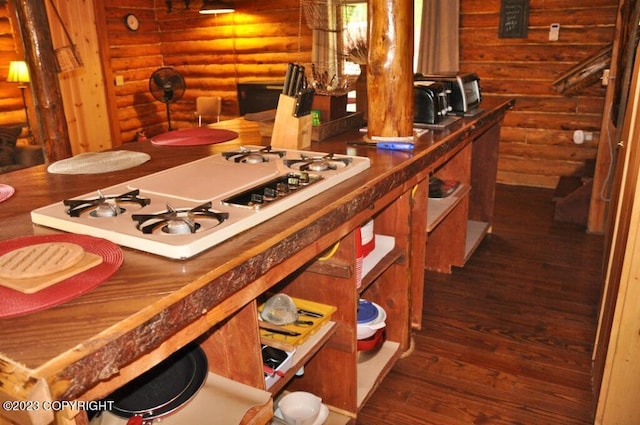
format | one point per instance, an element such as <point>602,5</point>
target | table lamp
<point>19,73</point>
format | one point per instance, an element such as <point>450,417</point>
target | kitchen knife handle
<point>299,80</point>
<point>287,79</point>
<point>292,83</point>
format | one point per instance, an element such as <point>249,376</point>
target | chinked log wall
<point>215,53</point>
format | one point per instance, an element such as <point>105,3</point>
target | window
<point>355,30</point>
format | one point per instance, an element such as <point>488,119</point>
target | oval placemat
<point>194,137</point>
<point>98,162</point>
<point>6,192</point>
<point>14,303</point>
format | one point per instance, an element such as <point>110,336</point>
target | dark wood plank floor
<point>508,338</point>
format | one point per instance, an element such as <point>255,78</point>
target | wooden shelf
<point>226,400</point>
<point>372,368</point>
<point>303,353</point>
<point>439,208</point>
<point>380,259</point>
<point>476,231</point>
<point>335,416</point>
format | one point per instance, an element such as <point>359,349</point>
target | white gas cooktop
<point>182,211</point>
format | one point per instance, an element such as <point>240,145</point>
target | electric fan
<point>167,86</point>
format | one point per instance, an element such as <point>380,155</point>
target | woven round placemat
<point>98,162</point>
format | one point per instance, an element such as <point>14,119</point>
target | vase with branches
<point>356,51</point>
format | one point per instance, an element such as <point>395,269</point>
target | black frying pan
<point>164,388</point>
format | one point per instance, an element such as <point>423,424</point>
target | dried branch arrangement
<point>356,49</point>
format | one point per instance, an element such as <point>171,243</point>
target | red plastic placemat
<point>194,136</point>
<point>14,303</point>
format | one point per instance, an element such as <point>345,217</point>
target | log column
<point>40,57</point>
<point>390,68</point>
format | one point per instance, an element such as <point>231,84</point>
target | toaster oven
<point>463,89</point>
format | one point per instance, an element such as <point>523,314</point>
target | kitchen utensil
<point>163,389</point>
<point>280,310</point>
<point>278,329</point>
<point>287,79</point>
<point>317,315</point>
<point>372,322</point>
<point>373,342</point>
<point>398,146</point>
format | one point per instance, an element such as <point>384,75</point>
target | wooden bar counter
<point>87,347</point>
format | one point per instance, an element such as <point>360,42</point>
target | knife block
<point>290,132</point>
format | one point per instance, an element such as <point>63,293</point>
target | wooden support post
<point>390,68</point>
<point>46,88</point>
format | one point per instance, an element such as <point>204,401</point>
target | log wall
<point>214,53</point>
<point>536,145</point>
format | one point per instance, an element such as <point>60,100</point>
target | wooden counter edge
<point>56,376</point>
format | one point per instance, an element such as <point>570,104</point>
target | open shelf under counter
<point>381,258</point>
<point>224,399</point>
<point>335,416</point>
<point>439,208</point>
<point>304,352</point>
<point>476,231</point>
<point>373,367</point>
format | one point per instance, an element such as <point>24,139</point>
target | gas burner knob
<point>256,198</point>
<point>303,179</point>
<point>270,194</point>
<point>293,181</point>
<point>282,188</point>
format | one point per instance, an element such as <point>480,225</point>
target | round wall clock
<point>132,22</point>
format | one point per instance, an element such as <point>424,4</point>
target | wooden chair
<point>208,108</point>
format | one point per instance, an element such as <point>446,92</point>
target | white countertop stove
<point>184,210</point>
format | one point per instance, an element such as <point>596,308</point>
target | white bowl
<point>300,408</point>
<point>368,329</point>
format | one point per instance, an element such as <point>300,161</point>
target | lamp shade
<point>18,72</point>
<point>213,7</point>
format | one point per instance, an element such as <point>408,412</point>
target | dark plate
<point>164,388</point>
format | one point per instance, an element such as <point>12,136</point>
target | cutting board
<point>31,285</point>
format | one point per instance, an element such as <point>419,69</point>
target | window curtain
<point>438,49</point>
<point>323,17</point>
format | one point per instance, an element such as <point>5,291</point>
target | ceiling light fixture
<point>214,7</point>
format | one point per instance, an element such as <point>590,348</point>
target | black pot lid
<point>164,388</point>
<point>367,311</point>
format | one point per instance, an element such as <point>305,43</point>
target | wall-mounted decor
<point>131,22</point>
<point>514,18</point>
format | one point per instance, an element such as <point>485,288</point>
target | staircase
<point>572,197</point>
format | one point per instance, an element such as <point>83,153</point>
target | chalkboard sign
<point>514,18</point>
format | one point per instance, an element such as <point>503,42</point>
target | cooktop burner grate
<point>177,221</point>
<point>317,163</point>
<point>252,156</point>
<point>104,206</point>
